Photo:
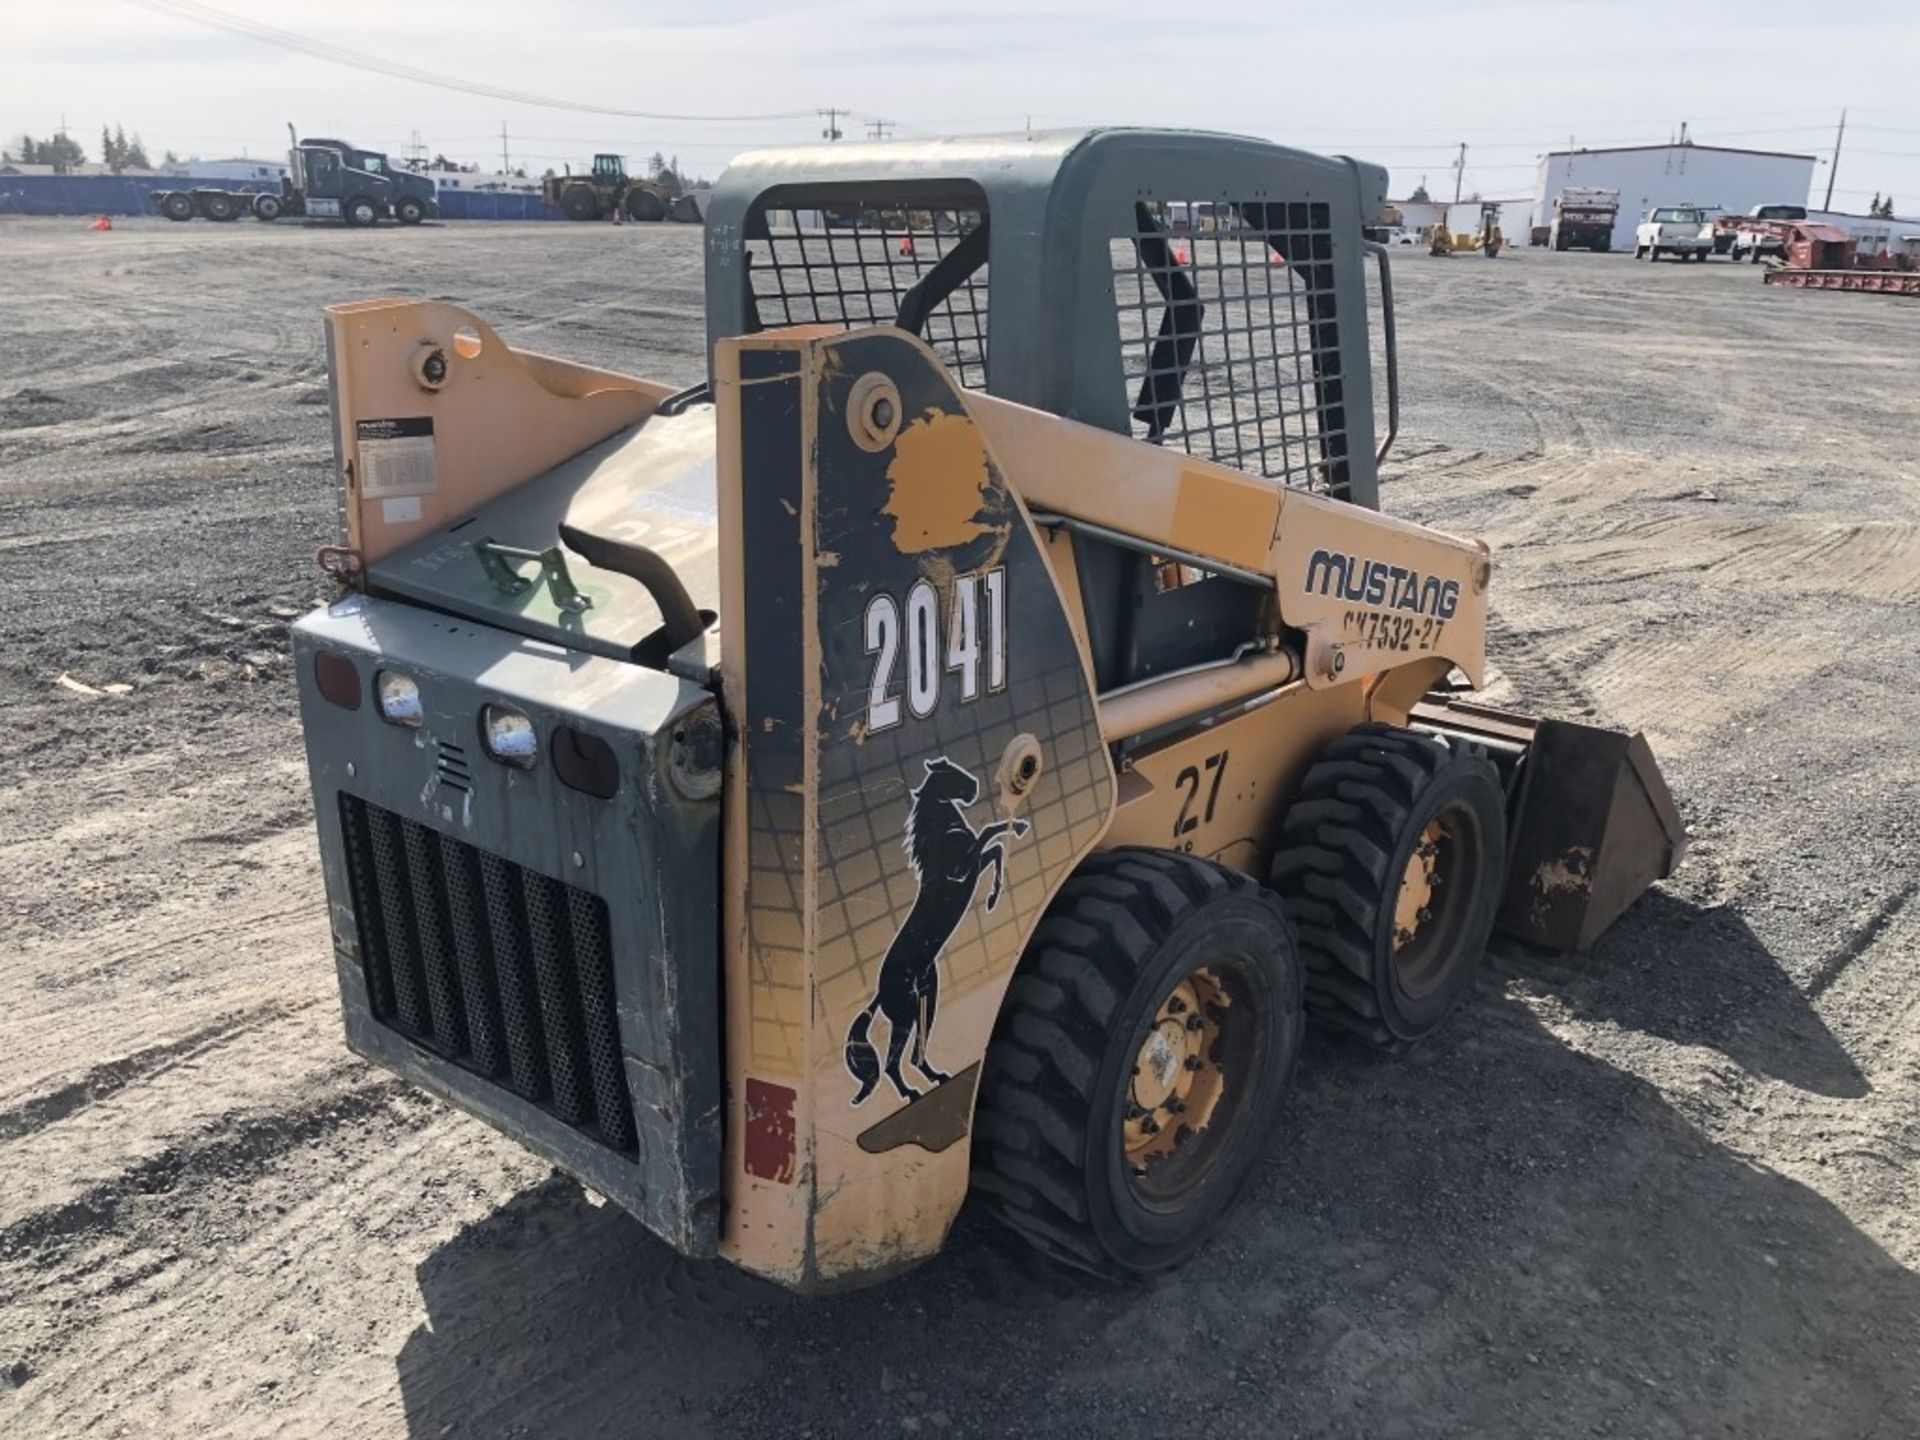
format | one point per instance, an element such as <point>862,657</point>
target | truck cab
<point>332,180</point>
<point>1682,230</point>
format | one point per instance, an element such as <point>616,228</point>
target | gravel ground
<point>1667,1189</point>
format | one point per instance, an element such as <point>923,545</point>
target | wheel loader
<point>605,190</point>
<point>957,746</point>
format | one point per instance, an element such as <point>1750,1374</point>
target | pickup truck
<point>1750,237</point>
<point>1683,230</point>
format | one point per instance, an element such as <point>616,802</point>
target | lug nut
<point>1150,1125</point>
<point>1176,1006</point>
<point>1193,1062</point>
<point>1194,1022</point>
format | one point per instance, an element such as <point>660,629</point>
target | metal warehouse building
<point>1731,181</point>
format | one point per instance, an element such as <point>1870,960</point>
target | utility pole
<point>1834,168</point>
<point>880,129</point>
<point>833,114</point>
<point>506,163</point>
<point>1459,172</point>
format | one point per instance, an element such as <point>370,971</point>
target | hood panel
<point>651,484</point>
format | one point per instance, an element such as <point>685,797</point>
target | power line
<point>199,14</point>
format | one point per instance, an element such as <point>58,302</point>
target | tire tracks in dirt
<point>102,1081</point>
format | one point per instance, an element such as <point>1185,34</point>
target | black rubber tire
<point>409,211</point>
<point>177,206</point>
<point>645,206</point>
<point>359,211</point>
<point>267,206</point>
<point>578,202</point>
<point>1119,937</point>
<point>1345,843</point>
<point>216,205</point>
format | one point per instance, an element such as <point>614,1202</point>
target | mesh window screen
<point>1229,339</point>
<point>855,265</point>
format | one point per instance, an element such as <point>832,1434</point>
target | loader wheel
<point>1139,1061</point>
<point>1390,863</point>
<point>645,205</point>
<point>579,203</point>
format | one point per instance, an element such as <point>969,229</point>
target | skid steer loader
<point>956,746</point>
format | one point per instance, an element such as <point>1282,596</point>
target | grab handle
<point>1393,349</point>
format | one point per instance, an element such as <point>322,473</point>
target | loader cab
<point>611,169</point>
<point>1199,292</point>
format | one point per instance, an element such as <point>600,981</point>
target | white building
<point>1729,181</point>
<point>497,181</point>
<point>1463,216</point>
<point>266,171</point>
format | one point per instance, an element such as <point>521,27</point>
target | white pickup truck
<point>1683,230</point>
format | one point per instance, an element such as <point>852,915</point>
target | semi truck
<point>325,180</point>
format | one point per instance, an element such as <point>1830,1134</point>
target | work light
<point>509,736</point>
<point>399,699</point>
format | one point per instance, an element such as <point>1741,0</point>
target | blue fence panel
<point>133,195</point>
<point>97,194</point>
<point>494,205</point>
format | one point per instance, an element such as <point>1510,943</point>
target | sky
<point>1399,82</point>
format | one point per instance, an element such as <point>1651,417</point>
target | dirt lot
<point>1669,1189</point>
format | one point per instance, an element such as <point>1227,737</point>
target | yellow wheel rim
<point>1177,1082</point>
<point>1413,908</point>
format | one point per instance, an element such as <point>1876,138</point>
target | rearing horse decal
<point>948,857</point>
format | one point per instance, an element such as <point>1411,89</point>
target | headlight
<point>399,698</point>
<point>509,735</point>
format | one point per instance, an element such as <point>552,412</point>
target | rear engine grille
<point>505,972</point>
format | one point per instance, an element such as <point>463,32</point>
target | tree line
<point>64,153</point>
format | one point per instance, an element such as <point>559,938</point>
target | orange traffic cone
<point>906,244</point>
<point>103,223</point>
<point>1179,254</point>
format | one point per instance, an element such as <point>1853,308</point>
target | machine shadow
<point>1697,976</point>
<point>1488,1235</point>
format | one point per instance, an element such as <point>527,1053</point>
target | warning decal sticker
<point>396,457</point>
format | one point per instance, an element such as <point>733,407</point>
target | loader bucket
<point>1591,824</point>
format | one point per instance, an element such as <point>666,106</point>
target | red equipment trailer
<point>1822,257</point>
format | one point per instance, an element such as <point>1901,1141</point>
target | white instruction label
<point>396,457</point>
